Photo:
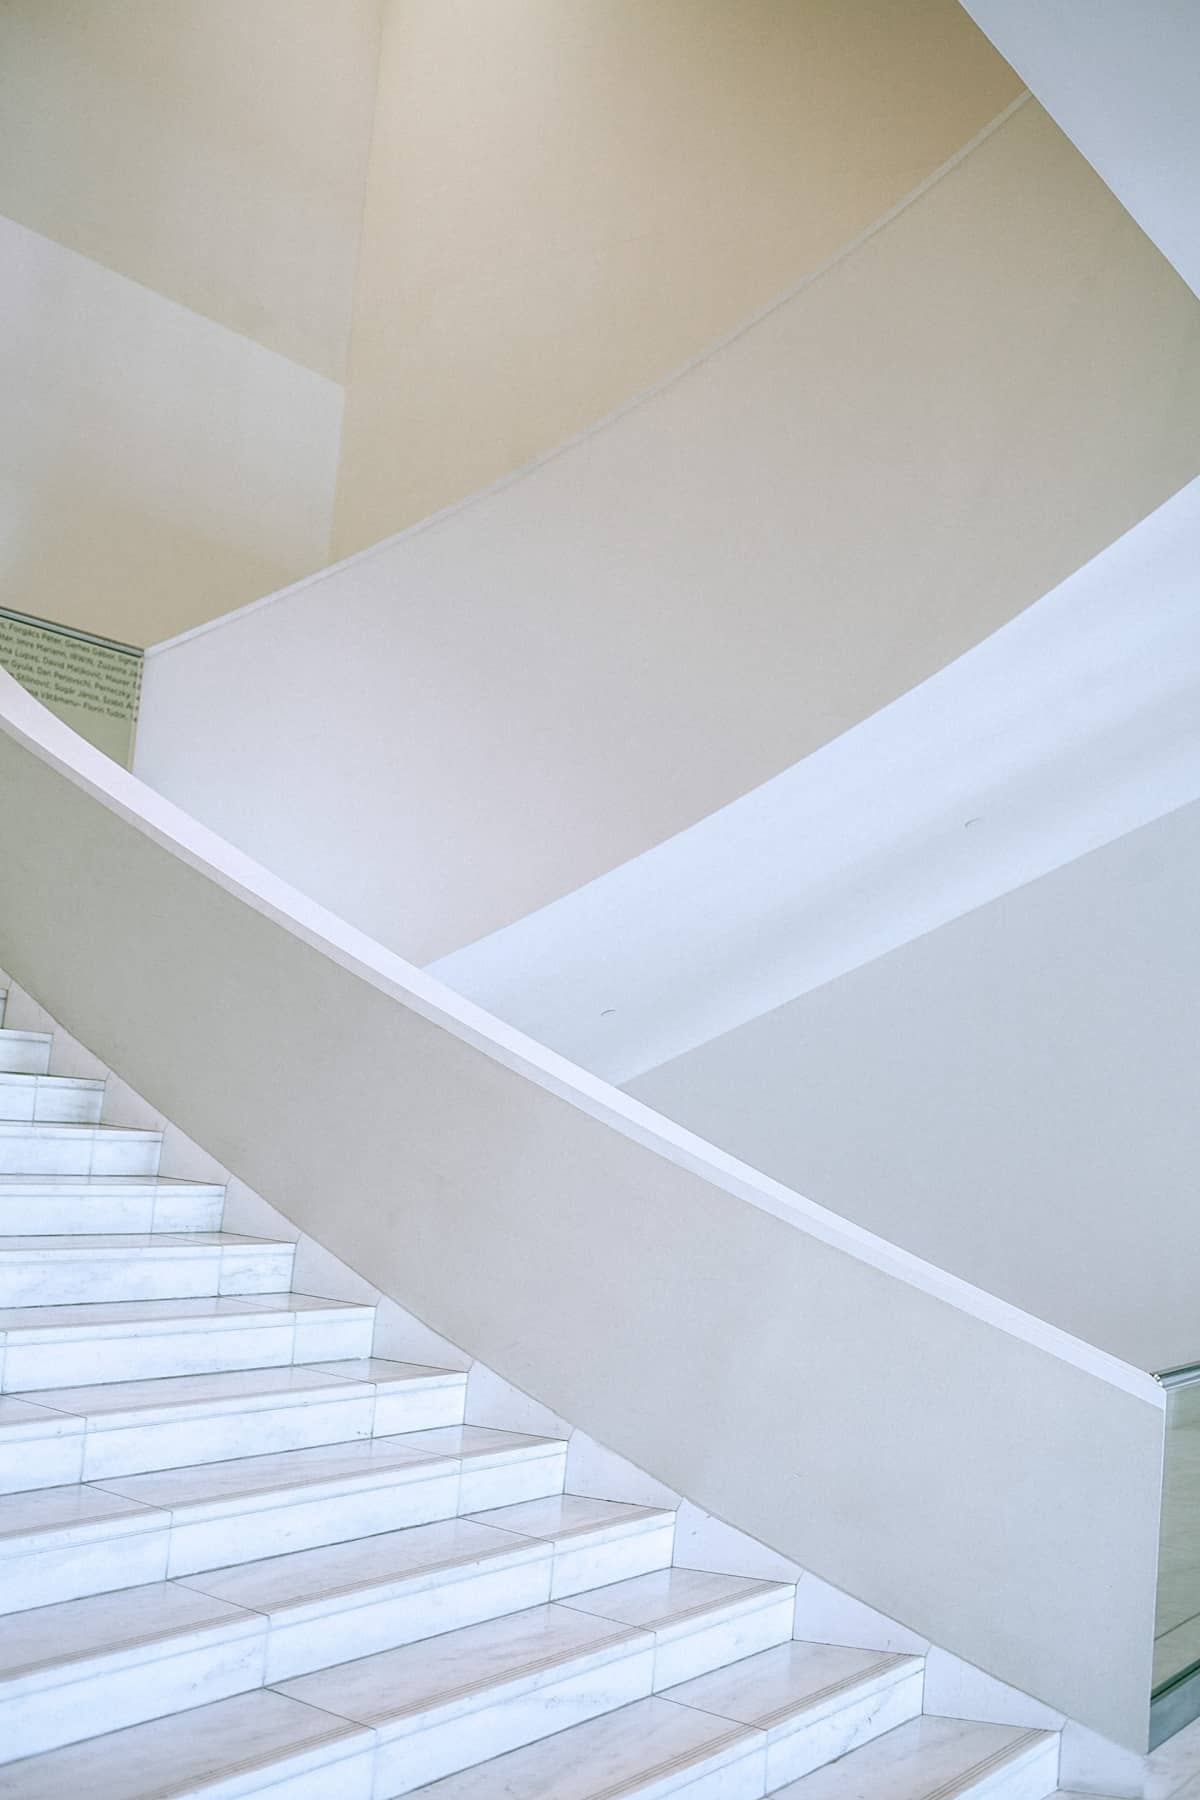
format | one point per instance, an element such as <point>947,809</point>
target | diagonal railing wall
<point>948,1460</point>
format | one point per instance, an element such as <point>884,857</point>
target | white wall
<point>1013,1096</point>
<point>485,713</point>
<point>792,1375</point>
<point>1071,725</point>
<point>152,461</point>
<point>1121,78</point>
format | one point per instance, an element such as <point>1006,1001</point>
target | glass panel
<point>1177,1621</point>
<point>92,683</point>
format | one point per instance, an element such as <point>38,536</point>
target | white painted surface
<point>1122,78</point>
<point>1013,1096</point>
<point>522,693</point>
<point>471,1167</point>
<point>138,435</point>
<point>1071,725</point>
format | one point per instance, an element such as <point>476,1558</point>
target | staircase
<point>240,1555</point>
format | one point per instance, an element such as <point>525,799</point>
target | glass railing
<point>92,683</point>
<point>1176,1689</point>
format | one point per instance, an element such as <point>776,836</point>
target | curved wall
<point>796,1377</point>
<point>567,202</point>
<point>490,710</point>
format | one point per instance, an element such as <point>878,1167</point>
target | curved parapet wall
<point>483,714</point>
<point>796,1376</point>
<point>1069,727</point>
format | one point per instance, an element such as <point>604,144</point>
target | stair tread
<point>104,1184</point>
<point>105,1624</point>
<point>670,1596</point>
<point>202,1484</point>
<point>66,1511</point>
<point>481,1443</point>
<point>73,1127</point>
<point>218,1387</point>
<point>929,1756</point>
<point>394,1684</point>
<point>130,1242</point>
<point>600,1759</point>
<point>308,1577</point>
<point>30,1077</point>
<point>197,1310</point>
<point>170,1756</point>
<point>777,1684</point>
<point>565,1516</point>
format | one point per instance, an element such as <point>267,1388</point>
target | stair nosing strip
<point>657,1771</point>
<point>519,1672</point>
<point>795,1709</point>
<point>957,1784</point>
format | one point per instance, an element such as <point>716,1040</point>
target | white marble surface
<point>87,1666</point>
<point>39,1447</point>
<point>66,1204</point>
<point>939,1757</point>
<point>72,1270</point>
<point>262,1735</point>
<point>135,1426</point>
<point>594,1541</point>
<point>814,1702</point>
<point>457,1699</point>
<point>499,1468</point>
<point>61,1543</point>
<point>25,1052</point>
<point>50,1098</point>
<point>114,1341</point>
<point>42,1149</point>
<point>700,1620</point>
<point>650,1748</point>
<point>1175,1765</point>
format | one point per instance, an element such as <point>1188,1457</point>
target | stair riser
<point>795,1749</point>
<point>273,1530</point>
<point>1032,1779</point>
<point>28,1154</point>
<point>31,1365</point>
<point>579,1567</point>
<point>138,1448</point>
<point>698,1648</point>
<point>43,1578</point>
<point>22,1054</point>
<point>69,1215</point>
<point>97,1694</point>
<point>57,1279</point>
<point>30,1098</point>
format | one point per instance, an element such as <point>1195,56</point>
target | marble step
<point>808,1703</point>
<point>348,1600</point>
<point>114,1341</point>
<point>67,1542</point>
<point>29,1148</point>
<point>25,1052</point>
<point>66,1205</point>
<point>939,1759</point>
<point>641,1752</point>
<point>595,1541</point>
<point>50,1099</point>
<point>452,1701</point>
<point>66,1270</point>
<point>256,1743</point>
<point>124,1428</point>
<point>700,1621</point>
<point>84,1667</point>
<point>67,1670</point>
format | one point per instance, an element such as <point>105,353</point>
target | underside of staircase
<point>241,1555</point>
